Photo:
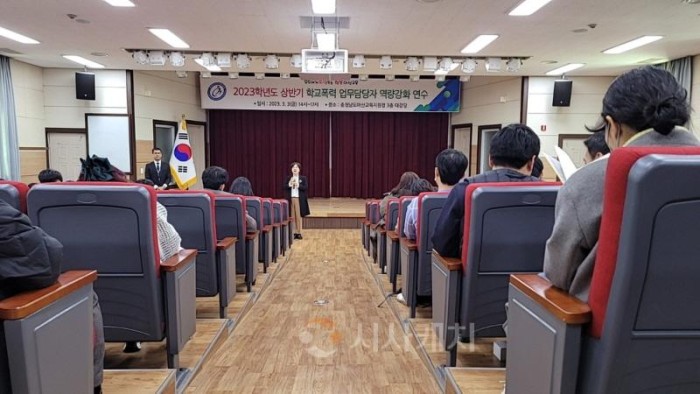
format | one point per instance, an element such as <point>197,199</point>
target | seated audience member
<point>537,168</point>
<point>30,259</point>
<point>417,187</point>
<point>450,165</point>
<point>242,187</point>
<point>403,188</point>
<point>49,175</point>
<point>214,178</point>
<point>99,169</point>
<point>512,156</point>
<point>596,147</point>
<point>643,107</point>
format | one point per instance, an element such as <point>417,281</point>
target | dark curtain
<point>372,149</point>
<point>261,145</point>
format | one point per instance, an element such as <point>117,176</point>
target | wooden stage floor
<point>335,213</point>
<point>337,207</point>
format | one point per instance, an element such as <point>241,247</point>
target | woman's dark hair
<point>296,163</point>
<point>537,168</point>
<point>241,186</point>
<point>644,98</point>
<point>420,186</point>
<point>407,179</point>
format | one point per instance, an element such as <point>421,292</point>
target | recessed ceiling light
<point>83,61</point>
<point>17,37</point>
<point>99,54</point>
<point>120,3</point>
<point>636,43</point>
<point>579,30</point>
<point>479,43</point>
<point>565,69</point>
<point>528,7</point>
<point>83,21</point>
<point>323,7</point>
<point>169,37</point>
<point>549,62</point>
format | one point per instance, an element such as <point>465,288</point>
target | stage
<point>335,213</point>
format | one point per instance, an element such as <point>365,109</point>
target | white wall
<point>695,97</point>
<point>489,100</point>
<point>28,89</point>
<point>162,95</point>
<point>63,110</point>
<point>586,103</point>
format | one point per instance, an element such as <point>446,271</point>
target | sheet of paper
<point>567,165</point>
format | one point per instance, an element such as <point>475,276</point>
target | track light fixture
<point>205,74</point>
<point>513,64</point>
<point>156,58</point>
<point>177,59</point>
<point>272,62</point>
<point>493,64</point>
<point>430,63</point>
<point>295,61</point>
<point>233,75</point>
<point>358,61</point>
<point>259,75</point>
<point>469,66</point>
<point>223,59</point>
<point>385,63</point>
<point>181,73</point>
<point>141,57</point>
<point>207,59</point>
<point>412,63</point>
<point>242,61</point>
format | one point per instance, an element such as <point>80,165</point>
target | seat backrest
<point>367,204</point>
<point>276,211</point>
<point>110,228</point>
<point>429,207</point>
<point>15,194</point>
<point>267,211</point>
<point>192,213</point>
<point>374,212</point>
<point>285,209</point>
<point>392,213</point>
<point>644,289</point>
<point>254,206</point>
<point>401,218</point>
<point>506,228</point>
<point>230,222</point>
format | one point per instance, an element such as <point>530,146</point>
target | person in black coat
<point>295,187</point>
<point>158,171</point>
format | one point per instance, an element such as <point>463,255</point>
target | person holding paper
<point>643,107</point>
<point>295,188</point>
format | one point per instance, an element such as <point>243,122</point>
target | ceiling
<point>377,27</point>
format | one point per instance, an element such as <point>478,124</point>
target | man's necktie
<point>158,168</point>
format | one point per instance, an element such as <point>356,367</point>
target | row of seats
<point>638,332</point>
<point>110,228</point>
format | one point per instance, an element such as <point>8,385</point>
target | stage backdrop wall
<point>344,154</point>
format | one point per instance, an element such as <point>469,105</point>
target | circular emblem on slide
<point>216,91</point>
<point>183,152</point>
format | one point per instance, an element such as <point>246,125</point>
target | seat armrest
<point>449,263</point>
<point>393,235</point>
<point>178,260</point>
<point>381,230</point>
<point>410,244</point>
<point>267,229</point>
<point>226,243</point>
<point>559,303</point>
<point>251,236</point>
<point>24,304</point>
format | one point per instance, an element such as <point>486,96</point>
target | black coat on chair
<point>303,200</point>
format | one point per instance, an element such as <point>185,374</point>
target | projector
<point>324,62</point>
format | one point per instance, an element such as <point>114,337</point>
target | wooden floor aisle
<point>286,343</point>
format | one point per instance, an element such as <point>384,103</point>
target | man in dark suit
<point>158,171</point>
